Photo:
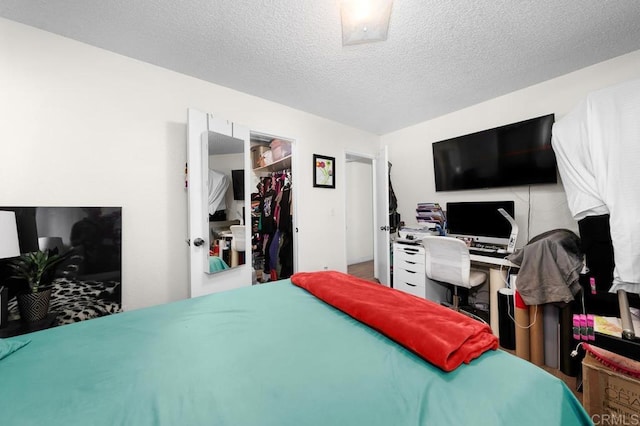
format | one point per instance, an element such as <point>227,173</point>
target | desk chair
<point>447,261</point>
<point>238,241</point>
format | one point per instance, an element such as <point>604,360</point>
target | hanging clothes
<point>286,255</point>
<point>285,223</point>
<point>394,216</point>
<point>267,223</point>
<point>218,184</point>
<point>597,146</point>
<point>275,225</point>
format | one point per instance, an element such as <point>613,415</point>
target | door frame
<point>372,159</point>
<point>294,187</point>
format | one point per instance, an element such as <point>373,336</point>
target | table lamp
<point>9,247</point>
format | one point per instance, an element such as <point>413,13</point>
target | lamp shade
<point>9,245</point>
<point>50,243</point>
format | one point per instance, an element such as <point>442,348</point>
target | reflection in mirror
<point>86,284</point>
<point>225,209</point>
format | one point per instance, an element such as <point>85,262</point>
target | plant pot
<point>34,306</point>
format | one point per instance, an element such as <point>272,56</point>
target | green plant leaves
<point>31,267</point>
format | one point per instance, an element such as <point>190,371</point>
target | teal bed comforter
<point>266,355</point>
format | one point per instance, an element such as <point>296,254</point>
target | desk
<point>491,261</point>
<point>498,268</point>
<point>410,276</point>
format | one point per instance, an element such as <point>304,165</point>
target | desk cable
<point>535,316</point>
<point>535,312</point>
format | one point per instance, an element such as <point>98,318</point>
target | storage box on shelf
<point>283,164</point>
<point>271,158</point>
<point>257,155</point>
<point>280,149</point>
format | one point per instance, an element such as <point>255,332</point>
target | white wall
<point>411,154</point>
<point>359,205</point>
<point>83,126</point>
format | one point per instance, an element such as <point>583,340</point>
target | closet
<point>272,222</point>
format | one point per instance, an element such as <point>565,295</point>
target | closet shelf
<point>282,164</point>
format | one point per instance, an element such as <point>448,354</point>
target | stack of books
<point>430,213</point>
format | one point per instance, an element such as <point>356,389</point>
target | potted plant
<point>35,270</point>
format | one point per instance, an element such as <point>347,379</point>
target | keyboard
<point>490,252</point>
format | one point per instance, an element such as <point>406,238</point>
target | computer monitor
<point>480,221</point>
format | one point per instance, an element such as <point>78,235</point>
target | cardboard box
<point>610,397</point>
<point>280,149</point>
<point>257,155</point>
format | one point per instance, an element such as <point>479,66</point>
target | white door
<point>381,217</point>
<point>201,281</point>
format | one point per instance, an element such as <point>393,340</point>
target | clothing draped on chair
<point>550,266</point>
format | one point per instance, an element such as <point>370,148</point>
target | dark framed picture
<point>324,171</point>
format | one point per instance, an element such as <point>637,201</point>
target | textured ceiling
<point>439,56</point>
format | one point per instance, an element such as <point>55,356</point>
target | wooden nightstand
<point>18,327</point>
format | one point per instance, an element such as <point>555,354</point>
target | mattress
<point>271,354</point>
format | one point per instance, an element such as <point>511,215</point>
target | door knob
<point>198,242</point>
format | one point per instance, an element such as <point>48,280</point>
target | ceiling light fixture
<point>365,21</point>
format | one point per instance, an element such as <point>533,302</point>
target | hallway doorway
<point>359,210</point>
<point>364,270</point>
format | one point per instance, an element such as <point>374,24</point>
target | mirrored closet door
<point>217,150</point>
<point>240,186</point>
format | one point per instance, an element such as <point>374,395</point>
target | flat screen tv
<point>237,180</point>
<point>511,155</point>
<point>87,284</point>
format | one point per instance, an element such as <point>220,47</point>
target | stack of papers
<point>612,326</point>
<point>430,213</point>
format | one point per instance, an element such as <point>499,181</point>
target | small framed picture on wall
<point>324,171</point>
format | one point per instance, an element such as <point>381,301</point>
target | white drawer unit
<point>409,274</point>
<point>409,265</point>
<point>410,277</point>
<point>407,253</point>
<point>410,288</point>
<point>408,269</point>
<point>409,282</point>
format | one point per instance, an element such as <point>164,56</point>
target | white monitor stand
<point>511,246</point>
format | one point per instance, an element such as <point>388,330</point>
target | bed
<point>272,354</point>
<point>216,264</point>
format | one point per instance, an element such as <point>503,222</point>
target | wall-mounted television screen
<point>87,283</point>
<point>237,179</point>
<point>510,155</point>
